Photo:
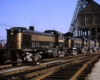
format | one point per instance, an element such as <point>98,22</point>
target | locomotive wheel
<point>90,50</point>
<point>55,54</point>
<point>50,55</point>
<point>65,54</point>
<point>74,52</point>
<point>14,64</point>
<point>58,56</point>
<point>85,52</point>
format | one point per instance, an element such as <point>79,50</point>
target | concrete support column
<point>87,33</point>
<point>78,33</point>
<point>82,33</point>
<point>90,33</point>
<point>96,32</point>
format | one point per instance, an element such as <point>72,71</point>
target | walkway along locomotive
<point>27,45</point>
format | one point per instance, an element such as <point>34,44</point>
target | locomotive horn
<point>31,28</point>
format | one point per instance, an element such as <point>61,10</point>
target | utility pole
<point>2,43</point>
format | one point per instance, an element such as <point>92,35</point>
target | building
<point>89,21</point>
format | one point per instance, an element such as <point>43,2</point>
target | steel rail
<point>59,67</point>
<point>36,73</point>
<point>48,71</point>
<point>83,68</point>
<point>33,67</point>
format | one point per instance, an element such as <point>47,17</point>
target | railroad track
<point>42,71</point>
<point>87,70</point>
<point>9,66</point>
<point>76,71</point>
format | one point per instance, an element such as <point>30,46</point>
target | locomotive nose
<point>10,31</point>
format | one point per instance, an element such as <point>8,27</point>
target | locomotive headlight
<point>11,33</point>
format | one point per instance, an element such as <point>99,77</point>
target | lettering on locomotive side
<point>78,41</point>
<point>35,37</point>
<point>61,40</point>
<point>49,38</point>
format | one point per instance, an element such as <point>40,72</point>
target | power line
<point>5,25</point>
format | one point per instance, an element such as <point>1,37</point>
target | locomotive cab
<point>14,37</point>
<point>59,39</point>
<point>75,45</point>
<point>58,49</point>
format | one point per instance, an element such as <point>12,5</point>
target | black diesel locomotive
<point>26,45</point>
<point>75,45</point>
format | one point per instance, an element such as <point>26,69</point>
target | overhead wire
<point>5,25</point>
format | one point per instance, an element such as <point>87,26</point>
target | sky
<point>42,14</point>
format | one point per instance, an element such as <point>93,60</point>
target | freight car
<point>25,44</point>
